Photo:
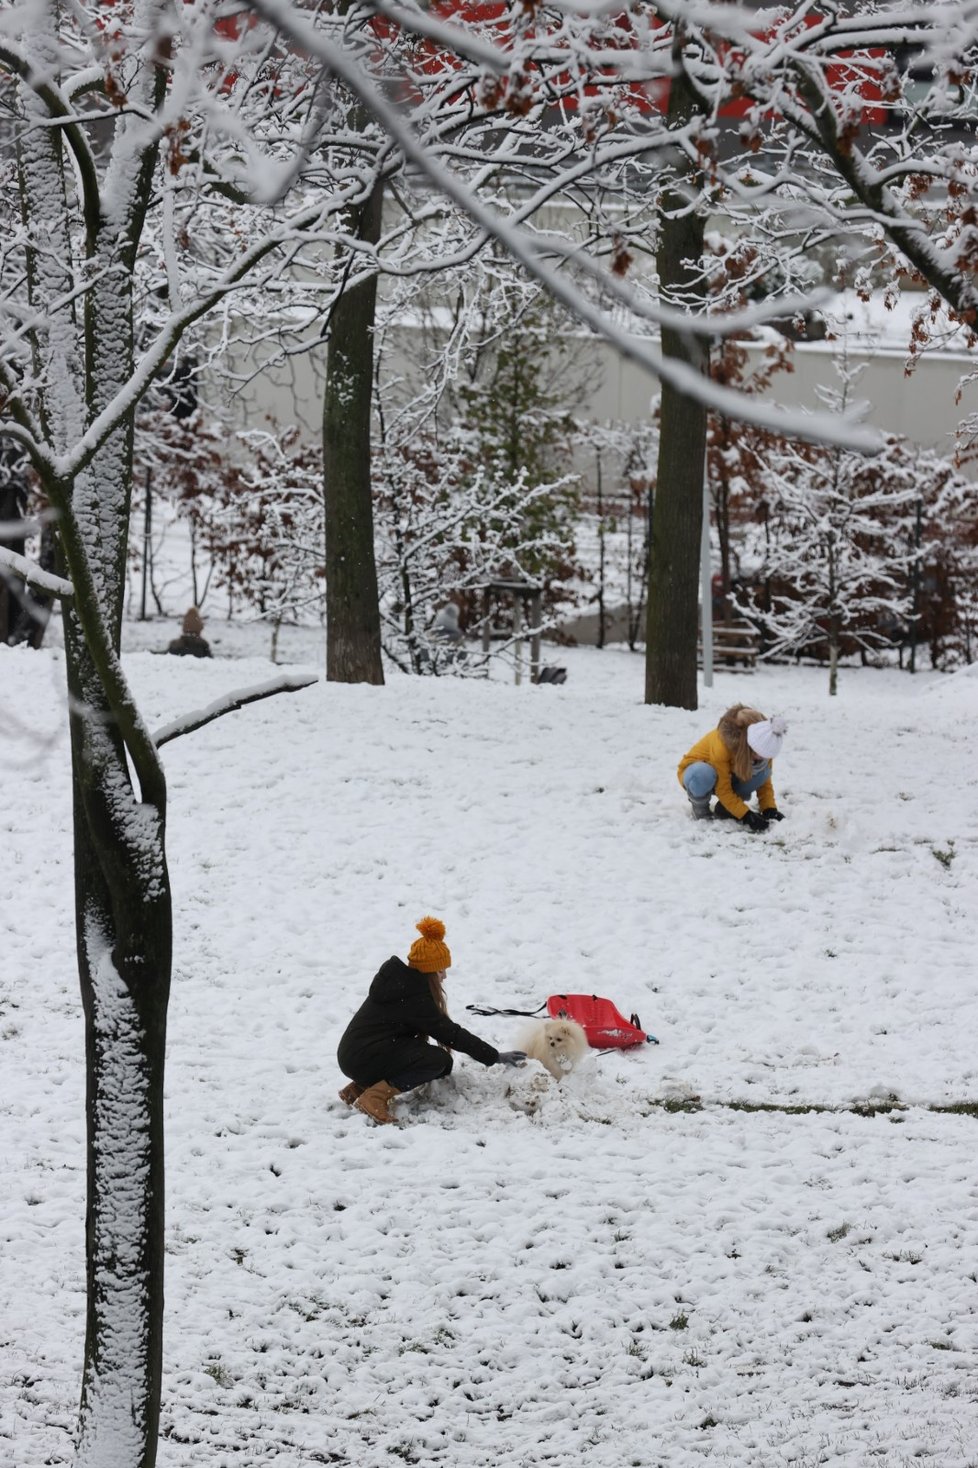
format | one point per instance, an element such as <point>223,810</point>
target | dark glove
<point>772,815</point>
<point>510,1057</point>
<point>754,822</point>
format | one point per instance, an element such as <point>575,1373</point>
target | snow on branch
<point>33,575</point>
<point>229,703</point>
<point>817,427</point>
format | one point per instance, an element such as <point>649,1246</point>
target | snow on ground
<point>642,1265</point>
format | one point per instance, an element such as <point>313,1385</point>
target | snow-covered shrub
<point>252,503</point>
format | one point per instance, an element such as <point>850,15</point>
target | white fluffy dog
<point>558,1044</point>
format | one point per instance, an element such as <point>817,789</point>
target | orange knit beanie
<point>429,954</point>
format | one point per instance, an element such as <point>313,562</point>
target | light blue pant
<point>700,781</point>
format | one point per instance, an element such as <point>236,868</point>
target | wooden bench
<point>734,643</point>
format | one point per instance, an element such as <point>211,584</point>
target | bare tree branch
<point>229,703</point>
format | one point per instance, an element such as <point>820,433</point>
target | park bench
<point>734,643</point>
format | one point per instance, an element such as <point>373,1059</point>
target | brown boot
<point>350,1093</point>
<point>375,1101</point>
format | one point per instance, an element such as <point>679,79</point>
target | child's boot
<point>349,1093</point>
<point>375,1101</point>
<point>701,808</point>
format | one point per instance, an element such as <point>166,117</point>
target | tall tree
<point>110,113</point>
<point>352,609</point>
<point>677,518</point>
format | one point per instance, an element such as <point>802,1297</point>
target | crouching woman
<point>732,762</point>
<point>385,1048</point>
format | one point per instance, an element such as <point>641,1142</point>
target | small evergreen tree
<point>736,453</point>
<point>837,548</point>
<point>515,409</point>
<point>944,585</point>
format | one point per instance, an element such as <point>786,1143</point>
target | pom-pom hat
<point>429,954</point>
<point>767,736</point>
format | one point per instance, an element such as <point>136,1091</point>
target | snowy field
<point>753,1245</point>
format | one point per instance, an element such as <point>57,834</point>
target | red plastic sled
<point>605,1026</point>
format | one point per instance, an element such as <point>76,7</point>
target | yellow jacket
<point>712,750</point>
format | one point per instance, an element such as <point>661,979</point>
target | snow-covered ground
<point>718,1250</point>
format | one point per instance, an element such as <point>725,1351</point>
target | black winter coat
<point>388,1031</point>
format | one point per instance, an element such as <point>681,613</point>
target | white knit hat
<point>766,737</point>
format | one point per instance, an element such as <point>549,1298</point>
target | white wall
<point>922,406</point>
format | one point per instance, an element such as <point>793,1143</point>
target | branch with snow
<point>29,572</point>
<point>526,248</point>
<point>187,723</point>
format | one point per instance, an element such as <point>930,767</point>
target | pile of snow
<point>732,1247</point>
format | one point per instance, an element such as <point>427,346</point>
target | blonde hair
<point>436,987</point>
<point>733,728</point>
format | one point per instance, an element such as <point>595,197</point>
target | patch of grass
<point>692,1358</point>
<point>441,1337</point>
<point>880,1107</point>
<point>944,857</point>
<point>956,1108</point>
<point>218,1372</point>
<point>834,1235</point>
<point>890,1106</point>
<point>679,1321</point>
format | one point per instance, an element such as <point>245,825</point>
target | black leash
<point>524,1013</point>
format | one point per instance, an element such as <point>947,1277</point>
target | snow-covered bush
<point>444,526</point>
<point>252,503</point>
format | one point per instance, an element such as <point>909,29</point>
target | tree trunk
<point>124,938</point>
<point>352,607</point>
<point>123,915</point>
<point>833,665</point>
<point>13,504</point>
<point>674,550</point>
<point>84,358</point>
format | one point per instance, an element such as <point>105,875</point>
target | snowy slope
<point>643,1265</point>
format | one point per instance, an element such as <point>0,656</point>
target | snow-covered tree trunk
<point>124,949</point>
<point>82,358</point>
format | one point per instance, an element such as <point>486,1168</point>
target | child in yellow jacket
<point>733,761</point>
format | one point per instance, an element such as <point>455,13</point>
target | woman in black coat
<point>385,1048</point>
